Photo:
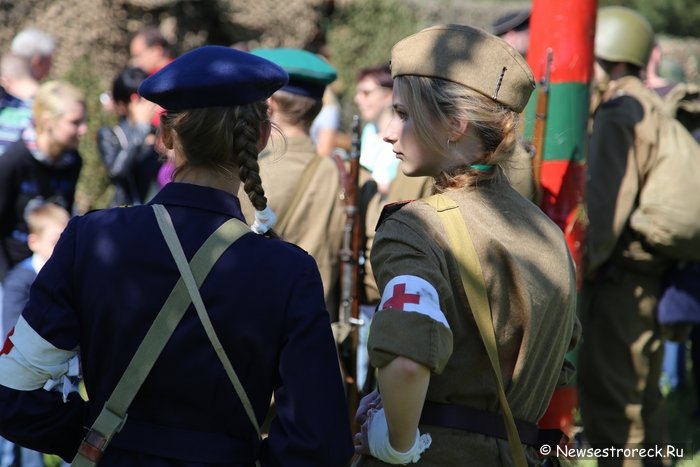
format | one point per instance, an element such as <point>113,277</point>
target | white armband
<point>380,447</point>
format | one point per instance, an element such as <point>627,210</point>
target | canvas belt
<point>184,445</point>
<point>485,422</point>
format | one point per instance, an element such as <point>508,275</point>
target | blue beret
<point>308,73</point>
<point>213,76</point>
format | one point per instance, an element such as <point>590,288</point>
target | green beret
<point>468,56</point>
<point>308,73</point>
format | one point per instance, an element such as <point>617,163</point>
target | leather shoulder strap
<point>474,285</point>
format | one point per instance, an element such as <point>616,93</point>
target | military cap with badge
<point>468,56</point>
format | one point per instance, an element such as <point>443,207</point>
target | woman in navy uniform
<point>112,271</point>
<point>457,95</point>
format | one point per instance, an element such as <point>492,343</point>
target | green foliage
<point>362,34</point>
<point>52,461</point>
<point>673,17</point>
<point>94,189</point>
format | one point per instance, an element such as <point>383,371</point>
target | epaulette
<point>390,209</point>
<point>102,209</point>
<point>91,211</point>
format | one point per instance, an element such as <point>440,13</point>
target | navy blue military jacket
<point>98,294</point>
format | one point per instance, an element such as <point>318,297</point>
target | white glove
<point>379,446</point>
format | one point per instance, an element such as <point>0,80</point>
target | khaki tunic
<point>518,170</point>
<point>530,281</point>
<point>621,352</point>
<point>403,188</point>
<point>316,225</point>
<point>622,151</point>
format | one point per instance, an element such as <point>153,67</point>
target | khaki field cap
<point>468,56</point>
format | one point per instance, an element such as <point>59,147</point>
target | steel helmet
<point>623,35</point>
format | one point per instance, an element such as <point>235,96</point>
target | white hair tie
<point>264,220</point>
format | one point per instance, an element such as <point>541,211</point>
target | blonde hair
<point>44,215</point>
<point>223,139</point>
<point>55,98</point>
<point>436,104</point>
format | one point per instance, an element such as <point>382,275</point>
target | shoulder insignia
<point>390,209</point>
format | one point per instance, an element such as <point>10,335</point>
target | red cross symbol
<point>400,298</point>
<point>8,343</point>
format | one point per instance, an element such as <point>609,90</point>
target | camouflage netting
<point>93,37</point>
<point>100,29</point>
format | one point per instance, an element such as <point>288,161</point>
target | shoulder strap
<point>470,271</point>
<point>113,414</point>
<point>301,187</point>
<point>121,136</point>
<point>166,226</point>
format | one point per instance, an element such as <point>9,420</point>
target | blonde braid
<point>247,134</point>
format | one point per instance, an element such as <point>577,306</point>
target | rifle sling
<point>113,415</point>
<point>303,183</point>
<point>474,285</point>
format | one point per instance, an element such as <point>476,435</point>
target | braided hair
<point>223,139</point>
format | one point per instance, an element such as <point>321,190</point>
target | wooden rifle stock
<point>352,258</point>
<point>351,253</point>
<point>539,131</point>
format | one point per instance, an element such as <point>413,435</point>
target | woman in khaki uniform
<point>457,95</point>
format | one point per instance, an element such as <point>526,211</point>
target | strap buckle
<point>93,446</point>
<point>95,443</point>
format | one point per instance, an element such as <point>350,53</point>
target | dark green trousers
<point>619,365</point>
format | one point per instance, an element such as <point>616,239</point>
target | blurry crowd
<point>304,172</point>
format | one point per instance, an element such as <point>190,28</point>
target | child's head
<point>45,223</point>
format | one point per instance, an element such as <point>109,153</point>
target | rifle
<point>352,259</point>
<point>538,134</point>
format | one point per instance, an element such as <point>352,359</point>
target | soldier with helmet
<point>622,348</point>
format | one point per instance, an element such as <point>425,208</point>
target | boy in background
<point>45,222</point>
